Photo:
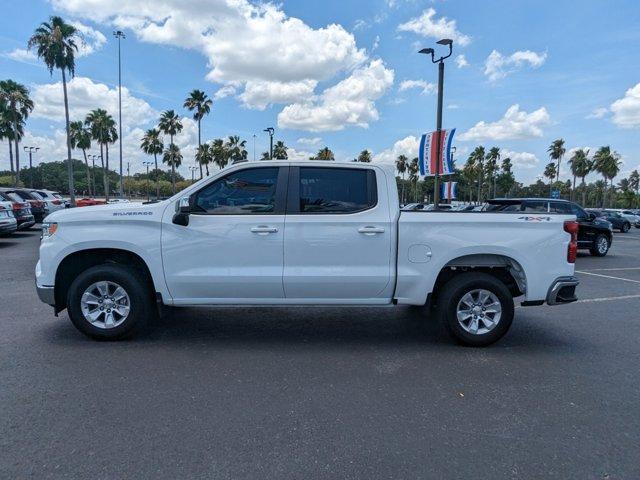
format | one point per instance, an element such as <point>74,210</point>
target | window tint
<point>15,197</point>
<point>336,190</point>
<point>535,207</point>
<point>246,192</point>
<point>560,207</point>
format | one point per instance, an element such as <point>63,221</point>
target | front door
<point>338,236</point>
<point>232,249</point>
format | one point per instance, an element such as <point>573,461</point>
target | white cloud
<point>260,94</point>
<point>453,106</point>
<point>91,40</point>
<point>599,112</point>
<point>407,146</point>
<point>428,26</point>
<point>426,87</point>
<point>224,92</point>
<point>516,124</point>
<point>523,160</point>
<point>626,110</point>
<point>309,141</point>
<point>86,95</point>
<point>294,154</point>
<point>243,42</point>
<point>22,55</point>
<point>498,66</point>
<point>461,61</point>
<point>350,102</point>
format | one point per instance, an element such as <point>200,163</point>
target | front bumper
<point>46,295</point>
<point>562,290</point>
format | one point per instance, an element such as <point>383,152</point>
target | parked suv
<point>38,207</point>
<point>52,202</point>
<point>8,223</point>
<point>594,234</point>
<point>616,219</point>
<point>21,209</point>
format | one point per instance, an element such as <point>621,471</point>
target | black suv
<point>594,234</point>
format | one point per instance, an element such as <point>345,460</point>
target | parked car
<point>631,215</point>
<point>39,208</point>
<point>222,241</point>
<point>8,223</point>
<point>21,210</point>
<point>614,218</point>
<point>118,200</point>
<point>52,203</point>
<point>594,234</point>
<point>89,202</point>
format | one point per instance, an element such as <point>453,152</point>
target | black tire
<point>459,286</point>
<point>625,227</point>
<point>596,249</point>
<point>141,308</point>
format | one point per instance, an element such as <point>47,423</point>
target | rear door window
<point>336,190</point>
<point>535,206</point>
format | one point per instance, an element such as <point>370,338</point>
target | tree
<point>634,184</point>
<point>550,172</point>
<point>7,132</point>
<point>200,105</point>
<point>280,151</point>
<point>402,162</point>
<point>324,154</point>
<point>413,168</point>
<point>103,130</point>
<point>606,163</point>
<point>556,151</point>
<point>219,153</point>
<point>478,157</point>
<point>506,180</point>
<point>580,167</point>
<point>55,44</point>
<point>492,167</point>
<point>173,158</point>
<point>364,157</point>
<point>469,174</point>
<point>235,148</point>
<point>17,108</point>
<point>80,137</point>
<point>265,156</point>
<point>204,156</point>
<point>152,144</point>
<point>171,125</point>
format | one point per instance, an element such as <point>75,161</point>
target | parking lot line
<point>607,276</point>
<point>607,299</point>
<point>611,269</point>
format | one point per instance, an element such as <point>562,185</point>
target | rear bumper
<point>8,228</point>
<point>562,290</point>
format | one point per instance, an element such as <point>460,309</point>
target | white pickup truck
<point>301,233</point>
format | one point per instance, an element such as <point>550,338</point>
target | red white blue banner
<point>448,190</point>
<point>427,156</point>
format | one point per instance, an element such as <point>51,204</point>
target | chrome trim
<point>46,295</point>
<point>556,286</point>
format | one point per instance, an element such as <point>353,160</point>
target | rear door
<point>338,236</point>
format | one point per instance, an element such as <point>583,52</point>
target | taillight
<point>17,206</point>
<point>571,227</point>
<point>37,204</point>
<point>56,202</point>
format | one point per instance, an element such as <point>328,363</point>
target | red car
<point>87,202</point>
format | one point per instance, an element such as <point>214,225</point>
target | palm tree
<point>550,172</point>
<point>103,130</point>
<point>492,167</point>
<point>364,157</point>
<point>81,138</point>
<point>556,151</point>
<point>204,156</point>
<point>200,105</point>
<point>469,174</point>
<point>18,106</point>
<point>151,144</point>
<point>413,169</point>
<point>219,153</point>
<point>402,162</point>
<point>579,162</point>
<point>171,125</point>
<point>7,131</point>
<point>606,163</point>
<point>235,148</point>
<point>324,154</point>
<point>55,44</point>
<point>280,151</point>
<point>634,183</point>
<point>478,157</point>
<point>173,158</point>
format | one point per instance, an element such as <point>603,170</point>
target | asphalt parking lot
<point>324,392</point>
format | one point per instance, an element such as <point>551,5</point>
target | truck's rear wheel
<point>109,302</point>
<point>477,308</point>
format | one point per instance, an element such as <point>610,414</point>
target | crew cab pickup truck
<point>301,233</point>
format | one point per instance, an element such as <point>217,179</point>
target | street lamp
<point>270,131</point>
<point>193,171</point>
<point>440,62</point>
<point>254,147</point>
<point>30,150</point>
<point>120,35</point>
<point>147,165</point>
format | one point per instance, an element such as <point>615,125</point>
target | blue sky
<point>346,74</point>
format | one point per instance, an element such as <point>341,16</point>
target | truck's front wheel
<point>477,308</point>
<point>109,302</point>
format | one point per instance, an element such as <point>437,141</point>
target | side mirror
<point>592,216</point>
<point>181,216</point>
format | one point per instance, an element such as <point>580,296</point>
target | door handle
<point>370,230</point>
<point>263,229</point>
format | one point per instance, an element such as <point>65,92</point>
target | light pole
<point>270,131</point>
<point>30,150</point>
<point>120,35</point>
<point>146,164</point>
<point>254,147</point>
<point>440,62</point>
<point>93,168</point>
<point>193,171</point>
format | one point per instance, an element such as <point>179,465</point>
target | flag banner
<point>448,190</point>
<point>427,155</point>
